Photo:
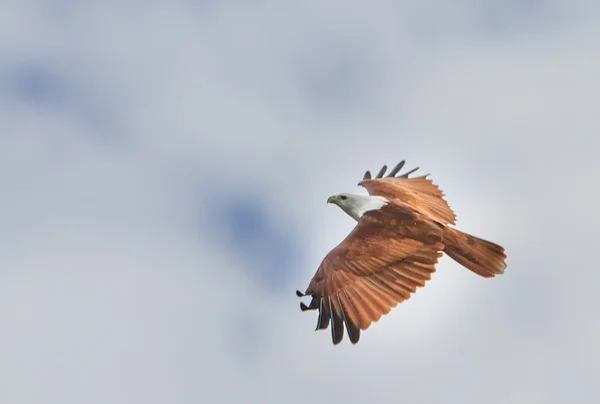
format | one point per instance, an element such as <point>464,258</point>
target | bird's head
<point>338,199</point>
<point>356,205</point>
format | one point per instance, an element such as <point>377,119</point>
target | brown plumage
<point>391,252</point>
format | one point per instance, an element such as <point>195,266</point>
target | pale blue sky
<point>164,168</point>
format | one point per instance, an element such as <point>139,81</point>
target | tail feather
<point>480,256</point>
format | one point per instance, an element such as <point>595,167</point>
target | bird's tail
<point>480,256</point>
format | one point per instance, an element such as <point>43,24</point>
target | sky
<point>164,168</point>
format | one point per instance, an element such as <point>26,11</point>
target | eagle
<point>403,227</point>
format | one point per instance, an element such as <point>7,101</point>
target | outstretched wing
<point>385,258</point>
<point>418,192</point>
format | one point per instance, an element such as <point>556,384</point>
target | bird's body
<point>401,233</point>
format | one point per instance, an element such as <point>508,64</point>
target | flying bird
<point>403,227</point>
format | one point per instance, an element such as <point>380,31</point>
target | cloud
<point>36,83</point>
<point>269,249</point>
<point>161,265</point>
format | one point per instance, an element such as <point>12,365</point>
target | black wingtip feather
<point>406,174</point>
<point>352,329</point>
<point>323,320</point>
<point>381,172</point>
<point>393,173</point>
<point>396,169</point>
<point>330,316</point>
<point>300,294</point>
<point>337,325</point>
<point>354,336</point>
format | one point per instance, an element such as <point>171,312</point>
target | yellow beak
<point>332,199</point>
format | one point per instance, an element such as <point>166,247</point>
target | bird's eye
<point>343,197</point>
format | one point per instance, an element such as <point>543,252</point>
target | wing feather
<point>364,310</point>
<point>388,279</point>
<point>381,172</point>
<point>415,274</point>
<point>385,294</point>
<point>374,299</point>
<point>337,322</point>
<point>350,317</point>
<point>396,169</point>
<point>324,315</point>
<point>419,192</point>
<point>358,282</point>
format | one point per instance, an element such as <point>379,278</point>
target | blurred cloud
<point>271,251</point>
<point>164,169</point>
<point>37,84</point>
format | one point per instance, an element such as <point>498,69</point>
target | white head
<point>356,205</point>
